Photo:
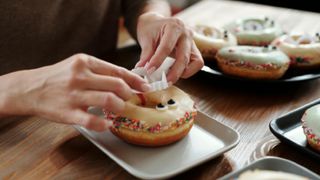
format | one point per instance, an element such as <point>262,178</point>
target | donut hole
<point>208,32</point>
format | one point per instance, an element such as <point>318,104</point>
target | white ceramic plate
<point>207,139</point>
<point>274,164</point>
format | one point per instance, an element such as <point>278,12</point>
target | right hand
<point>63,91</point>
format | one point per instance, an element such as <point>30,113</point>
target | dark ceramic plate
<point>290,77</point>
<point>274,164</point>
<point>288,129</point>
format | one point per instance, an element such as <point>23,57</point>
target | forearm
<point>134,9</point>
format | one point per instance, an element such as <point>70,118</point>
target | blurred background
<point>308,5</point>
<point>124,38</point>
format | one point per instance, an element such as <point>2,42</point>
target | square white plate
<point>207,139</point>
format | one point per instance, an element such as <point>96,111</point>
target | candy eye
<point>161,107</point>
<point>171,103</point>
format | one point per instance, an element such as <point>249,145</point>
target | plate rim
<point>142,175</point>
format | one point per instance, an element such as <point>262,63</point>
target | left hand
<point>160,37</point>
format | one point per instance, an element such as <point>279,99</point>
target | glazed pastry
<point>154,118</point>
<point>303,50</point>
<point>311,126</point>
<point>269,175</point>
<point>253,62</point>
<point>259,31</point>
<point>210,39</point>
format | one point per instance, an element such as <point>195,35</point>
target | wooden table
<point>33,148</point>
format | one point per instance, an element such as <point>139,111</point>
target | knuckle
<point>88,122</point>
<point>108,99</point>
<point>120,85</point>
<point>120,72</point>
<point>177,22</point>
<point>76,79</point>
<point>189,32</point>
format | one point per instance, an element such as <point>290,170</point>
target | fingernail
<point>146,87</point>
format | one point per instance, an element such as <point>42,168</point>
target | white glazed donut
<point>269,175</point>
<point>253,62</point>
<point>210,39</point>
<point>302,49</point>
<point>258,31</point>
<point>311,126</point>
<point>155,118</point>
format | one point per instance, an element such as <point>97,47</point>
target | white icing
<point>312,119</point>
<point>301,39</point>
<point>252,26</point>
<point>254,54</point>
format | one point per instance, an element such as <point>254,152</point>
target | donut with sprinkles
<point>302,49</point>
<point>154,118</point>
<point>253,62</point>
<point>311,126</point>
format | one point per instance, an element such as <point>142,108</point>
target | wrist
<point>13,101</point>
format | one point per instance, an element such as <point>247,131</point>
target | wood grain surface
<point>34,148</point>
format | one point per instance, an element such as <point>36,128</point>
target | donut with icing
<point>303,50</point>
<point>210,39</point>
<point>253,62</point>
<point>269,175</point>
<point>154,118</point>
<point>311,126</point>
<point>258,31</point>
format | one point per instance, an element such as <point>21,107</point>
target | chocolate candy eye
<point>161,107</point>
<point>172,104</point>
<point>274,47</point>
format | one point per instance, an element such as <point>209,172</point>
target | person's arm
<point>63,91</point>
<point>132,9</point>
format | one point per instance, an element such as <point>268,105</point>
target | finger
<point>88,121</point>
<point>109,83</point>
<point>103,68</point>
<point>166,46</point>
<point>106,100</point>
<point>146,53</point>
<point>196,63</point>
<point>183,52</point>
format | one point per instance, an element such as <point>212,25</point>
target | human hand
<point>62,92</point>
<point>160,37</point>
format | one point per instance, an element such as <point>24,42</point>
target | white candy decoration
<point>157,80</point>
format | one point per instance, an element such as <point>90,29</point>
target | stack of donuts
<point>257,48</point>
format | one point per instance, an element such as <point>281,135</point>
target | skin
<point>160,37</point>
<point>62,92</point>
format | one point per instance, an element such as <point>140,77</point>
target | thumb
<point>146,53</point>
